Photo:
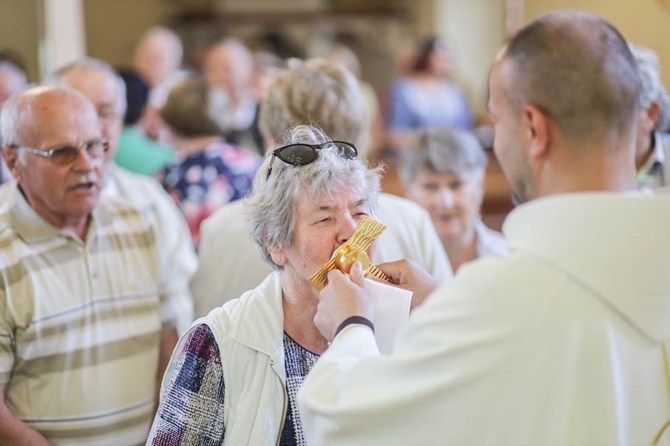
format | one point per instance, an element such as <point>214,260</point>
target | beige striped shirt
<point>80,323</point>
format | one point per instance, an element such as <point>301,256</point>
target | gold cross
<point>351,251</point>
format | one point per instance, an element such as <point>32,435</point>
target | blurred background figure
<point>157,60</point>
<point>12,80</point>
<point>137,152</point>
<point>652,149</point>
<point>158,56</point>
<point>209,171</point>
<point>428,96</point>
<point>266,67</point>
<point>443,170</point>
<point>373,137</point>
<point>229,70</point>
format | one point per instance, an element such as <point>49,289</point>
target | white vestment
<point>559,343</point>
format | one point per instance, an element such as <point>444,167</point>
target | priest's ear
<point>536,128</point>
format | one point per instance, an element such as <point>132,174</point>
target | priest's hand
<point>345,295</point>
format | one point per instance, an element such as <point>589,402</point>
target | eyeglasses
<point>303,154</point>
<point>67,154</point>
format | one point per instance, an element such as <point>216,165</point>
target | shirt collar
<point>32,227</point>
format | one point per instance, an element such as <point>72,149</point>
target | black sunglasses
<point>303,154</point>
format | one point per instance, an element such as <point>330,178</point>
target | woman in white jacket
<point>234,376</point>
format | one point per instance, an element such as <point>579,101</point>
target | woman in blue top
<point>426,97</point>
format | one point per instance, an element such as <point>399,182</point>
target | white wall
<point>644,22</point>
<point>477,27</point>
<point>64,36</point>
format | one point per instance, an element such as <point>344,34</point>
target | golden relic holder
<point>353,250</point>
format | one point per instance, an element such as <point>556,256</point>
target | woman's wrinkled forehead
<point>320,193</point>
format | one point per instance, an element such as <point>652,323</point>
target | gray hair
<point>318,92</point>
<point>441,150</point>
<point>10,123</point>
<point>59,77</point>
<point>653,89</point>
<point>12,70</point>
<point>271,207</point>
<point>176,47</point>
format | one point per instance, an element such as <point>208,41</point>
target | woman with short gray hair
<point>235,374</point>
<point>443,170</point>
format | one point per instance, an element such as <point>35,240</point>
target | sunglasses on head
<point>303,154</point>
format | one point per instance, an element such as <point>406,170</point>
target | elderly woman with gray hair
<point>234,376</point>
<point>443,170</point>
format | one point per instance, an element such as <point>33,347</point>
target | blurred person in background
<point>158,56</point>
<point>12,80</point>
<point>443,170</point>
<point>652,146</point>
<point>372,139</point>
<point>428,96</point>
<point>157,59</point>
<point>209,172</point>
<point>104,87</point>
<point>266,67</point>
<point>229,71</point>
<point>137,152</point>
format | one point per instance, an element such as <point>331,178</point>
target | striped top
<point>80,323</point>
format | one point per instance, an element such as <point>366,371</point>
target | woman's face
<point>439,62</point>
<point>322,225</point>
<point>452,201</point>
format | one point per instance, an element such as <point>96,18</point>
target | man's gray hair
<point>169,36</point>
<point>653,89</point>
<point>442,150</point>
<point>59,77</point>
<point>271,207</point>
<point>15,112</point>
<point>10,123</point>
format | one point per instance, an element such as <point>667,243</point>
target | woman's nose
<point>445,198</point>
<point>349,225</point>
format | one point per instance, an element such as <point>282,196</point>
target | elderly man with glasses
<point>106,90</point>
<point>85,329</point>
